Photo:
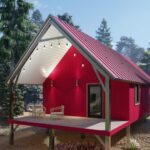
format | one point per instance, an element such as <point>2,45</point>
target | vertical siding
<point>142,109</point>
<point>145,100</point>
<point>119,100</point>
<point>65,91</point>
<point>134,109</point>
<point>75,98</point>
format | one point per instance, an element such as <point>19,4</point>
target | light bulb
<point>82,65</point>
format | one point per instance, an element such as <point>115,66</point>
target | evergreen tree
<point>32,94</point>
<point>104,34</point>
<point>15,28</point>
<point>19,103</point>
<point>68,19</point>
<point>127,47</point>
<point>37,20</point>
<point>145,62</point>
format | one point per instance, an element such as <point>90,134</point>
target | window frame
<point>137,91</point>
<point>101,97</point>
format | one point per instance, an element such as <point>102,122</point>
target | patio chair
<point>57,112</point>
<point>38,111</point>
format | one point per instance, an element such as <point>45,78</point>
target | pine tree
<point>68,19</point>
<point>32,93</point>
<point>145,62</point>
<point>37,20</point>
<point>104,34</point>
<point>127,47</point>
<point>15,28</point>
<point>19,103</point>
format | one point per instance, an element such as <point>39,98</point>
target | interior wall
<point>64,90</point>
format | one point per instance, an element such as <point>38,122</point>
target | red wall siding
<point>119,100</point>
<point>134,109</point>
<point>145,100</point>
<point>75,98</point>
<point>65,91</point>
<point>137,111</point>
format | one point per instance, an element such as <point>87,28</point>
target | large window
<point>137,93</point>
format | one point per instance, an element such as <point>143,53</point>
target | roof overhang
<point>44,58</point>
<point>45,52</point>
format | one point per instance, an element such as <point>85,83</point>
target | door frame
<point>87,100</point>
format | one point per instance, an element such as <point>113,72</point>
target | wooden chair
<point>38,111</point>
<point>57,112</point>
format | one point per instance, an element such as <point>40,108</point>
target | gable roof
<point>115,65</point>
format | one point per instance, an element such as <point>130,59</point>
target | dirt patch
<point>140,131</point>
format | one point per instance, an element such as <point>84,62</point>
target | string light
<point>82,65</point>
<point>67,44</point>
<point>44,45</point>
<point>30,59</point>
<point>24,69</point>
<point>74,54</point>
<point>59,44</point>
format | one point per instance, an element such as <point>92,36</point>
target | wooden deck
<point>71,123</point>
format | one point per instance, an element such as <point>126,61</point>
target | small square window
<point>137,94</point>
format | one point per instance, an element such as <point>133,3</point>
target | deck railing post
<point>51,139</point>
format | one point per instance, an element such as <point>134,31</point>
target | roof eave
<point>28,51</point>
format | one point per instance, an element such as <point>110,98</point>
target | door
<point>94,101</point>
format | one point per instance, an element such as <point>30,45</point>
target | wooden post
<point>101,141</point>
<point>107,114</point>
<point>12,101</point>
<point>128,133</point>
<point>107,142</point>
<point>107,105</point>
<point>51,139</point>
<point>11,116</point>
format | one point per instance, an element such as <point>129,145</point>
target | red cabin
<point>89,79</point>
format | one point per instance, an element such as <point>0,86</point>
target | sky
<point>124,17</point>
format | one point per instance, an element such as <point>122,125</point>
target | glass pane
<point>94,101</point>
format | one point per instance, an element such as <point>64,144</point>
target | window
<point>137,94</point>
<point>94,101</point>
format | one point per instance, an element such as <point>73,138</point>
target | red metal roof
<point>117,65</point>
